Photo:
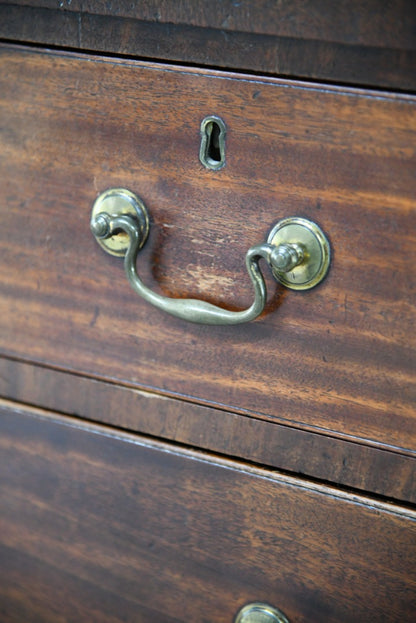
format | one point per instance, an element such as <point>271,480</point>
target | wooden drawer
<point>101,526</point>
<point>337,360</point>
<point>357,42</point>
<point>174,471</point>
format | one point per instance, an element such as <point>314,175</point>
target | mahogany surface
<point>368,468</point>
<point>153,470</point>
<point>350,41</point>
<point>101,526</point>
<point>339,359</point>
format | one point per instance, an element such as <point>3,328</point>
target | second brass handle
<point>296,250</point>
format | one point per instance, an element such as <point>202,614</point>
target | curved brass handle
<point>259,612</point>
<point>120,225</point>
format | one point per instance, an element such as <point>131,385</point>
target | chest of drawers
<point>164,470</point>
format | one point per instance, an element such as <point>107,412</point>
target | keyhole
<point>212,150</point>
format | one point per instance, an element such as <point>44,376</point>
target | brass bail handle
<point>258,612</point>
<point>296,250</point>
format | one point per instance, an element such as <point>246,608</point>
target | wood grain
<point>369,43</point>
<point>98,527</point>
<point>340,358</point>
<point>347,22</point>
<point>372,469</point>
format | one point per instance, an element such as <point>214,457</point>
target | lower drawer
<point>101,526</point>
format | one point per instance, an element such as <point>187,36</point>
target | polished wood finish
<point>153,470</point>
<point>98,525</point>
<point>349,464</point>
<point>339,359</point>
<point>370,43</point>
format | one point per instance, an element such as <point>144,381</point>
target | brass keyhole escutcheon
<point>212,149</point>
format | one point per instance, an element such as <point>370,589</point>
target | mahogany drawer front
<point>339,359</point>
<point>356,42</point>
<point>100,526</point>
